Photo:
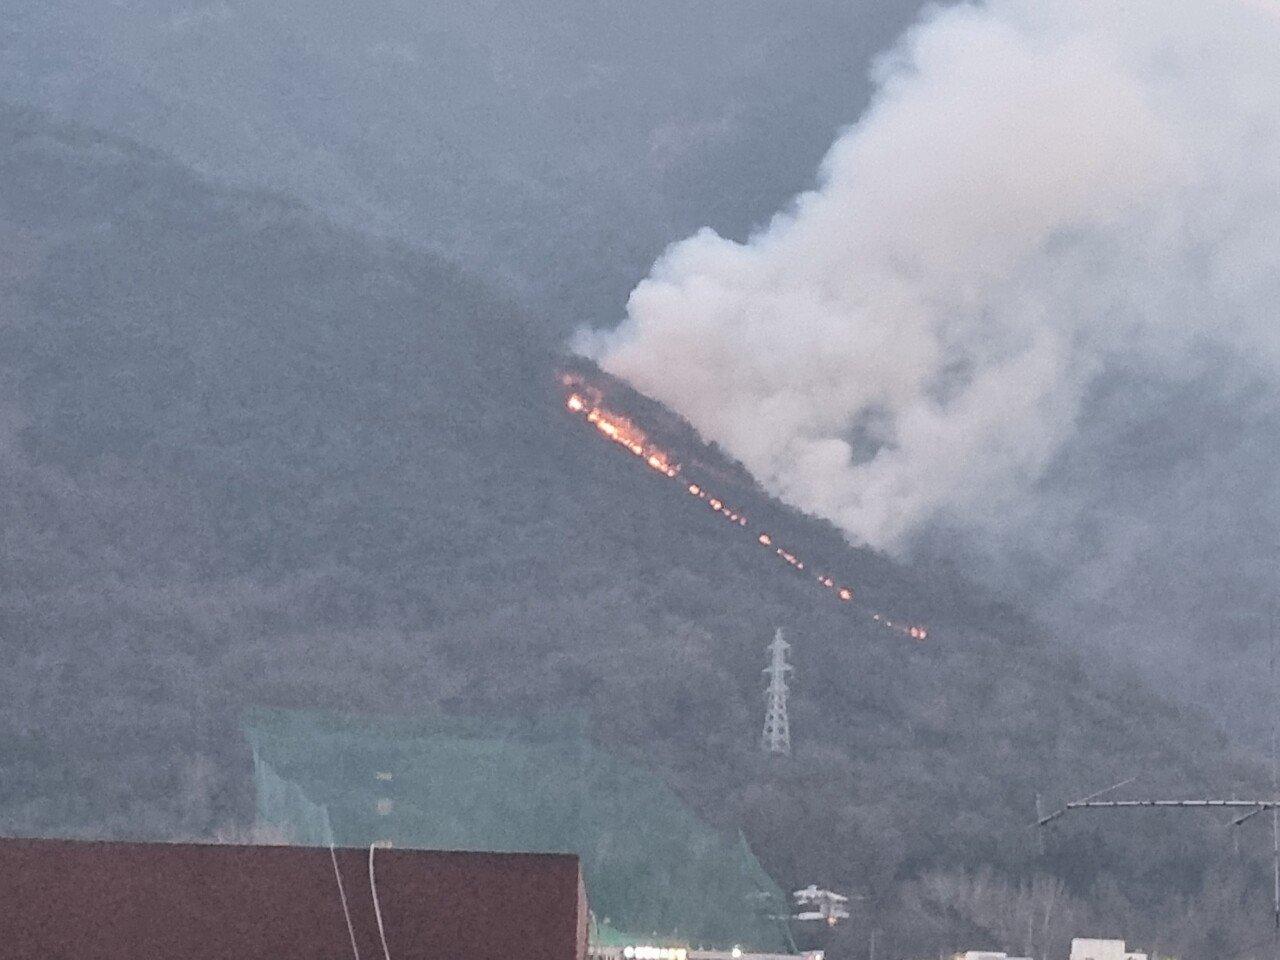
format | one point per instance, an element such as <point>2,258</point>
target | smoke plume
<point>1032,303</point>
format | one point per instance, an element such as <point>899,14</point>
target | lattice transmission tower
<point>776,737</point>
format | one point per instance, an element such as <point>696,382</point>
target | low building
<point>125,901</point>
<point>1089,949</point>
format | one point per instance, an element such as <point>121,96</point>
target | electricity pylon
<point>776,737</point>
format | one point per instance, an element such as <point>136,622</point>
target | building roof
<point>121,901</point>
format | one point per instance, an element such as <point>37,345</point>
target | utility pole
<point>1254,807</point>
<point>1275,792</point>
<point>776,737</point>
<point>1251,807</point>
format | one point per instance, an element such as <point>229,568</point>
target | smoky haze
<point>1026,320</point>
<point>284,293</point>
<point>553,148</point>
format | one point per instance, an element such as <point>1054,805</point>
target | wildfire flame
<point>587,402</point>
<point>622,432</point>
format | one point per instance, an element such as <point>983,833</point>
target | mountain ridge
<point>251,457</point>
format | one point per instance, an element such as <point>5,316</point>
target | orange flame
<point>586,401</point>
<point>621,431</point>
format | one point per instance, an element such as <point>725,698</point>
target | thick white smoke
<point>1040,195</point>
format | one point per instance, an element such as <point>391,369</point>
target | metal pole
<point>1254,807</point>
<point>1275,869</point>
<point>1275,790</point>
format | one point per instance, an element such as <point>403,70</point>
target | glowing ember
<point>621,431</point>
<point>585,400</point>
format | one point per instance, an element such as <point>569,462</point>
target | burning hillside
<point>587,401</point>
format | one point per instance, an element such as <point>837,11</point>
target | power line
<point>1254,807</point>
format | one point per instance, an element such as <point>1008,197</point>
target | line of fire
<point>588,402</point>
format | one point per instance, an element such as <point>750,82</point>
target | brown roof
<point>77,900</point>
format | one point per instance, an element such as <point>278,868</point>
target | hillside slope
<point>558,147</point>
<point>248,457</point>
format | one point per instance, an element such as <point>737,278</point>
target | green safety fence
<point>653,869</point>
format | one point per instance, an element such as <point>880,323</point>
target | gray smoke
<point>1030,310</point>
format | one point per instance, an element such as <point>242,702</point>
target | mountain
<point>252,457</point>
<point>556,148</point>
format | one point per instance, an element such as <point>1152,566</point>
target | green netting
<point>307,822</point>
<point>652,868</point>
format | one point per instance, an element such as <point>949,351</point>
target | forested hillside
<point>556,147</point>
<point>250,457</point>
